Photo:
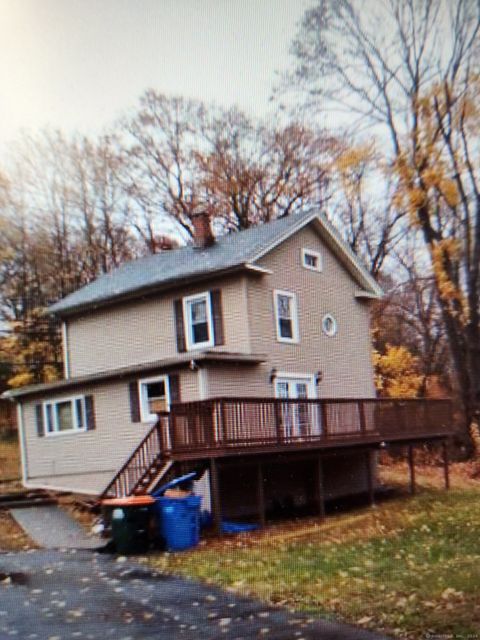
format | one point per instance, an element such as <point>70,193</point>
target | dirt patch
<point>12,536</point>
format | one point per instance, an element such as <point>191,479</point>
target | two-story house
<point>254,350</point>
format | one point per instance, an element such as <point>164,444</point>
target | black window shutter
<point>134,401</point>
<point>39,420</point>
<point>179,325</point>
<point>216,300</point>
<point>90,413</point>
<point>174,387</point>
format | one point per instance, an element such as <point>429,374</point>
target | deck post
<point>215,495</point>
<point>411,465</point>
<point>446,470</point>
<point>320,488</point>
<point>260,495</point>
<point>369,475</point>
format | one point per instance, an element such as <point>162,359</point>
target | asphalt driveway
<point>54,595</point>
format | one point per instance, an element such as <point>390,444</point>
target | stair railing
<point>140,462</point>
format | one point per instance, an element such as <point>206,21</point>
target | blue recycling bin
<point>177,519</point>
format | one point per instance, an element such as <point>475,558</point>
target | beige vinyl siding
<point>239,381</point>
<point>345,359</point>
<point>143,331</point>
<point>86,461</point>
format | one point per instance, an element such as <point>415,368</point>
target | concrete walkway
<point>52,528</point>
<point>80,594</point>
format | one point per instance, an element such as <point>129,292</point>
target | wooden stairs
<point>147,468</point>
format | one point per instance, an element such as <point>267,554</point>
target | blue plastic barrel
<point>178,521</point>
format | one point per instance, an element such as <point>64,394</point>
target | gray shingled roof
<point>188,263</point>
<point>184,263</point>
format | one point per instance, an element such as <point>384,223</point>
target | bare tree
<point>410,68</point>
<point>181,159</point>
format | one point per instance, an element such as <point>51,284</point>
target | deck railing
<point>223,425</point>
<point>149,452</point>
<point>244,423</point>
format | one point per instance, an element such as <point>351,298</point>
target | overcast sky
<point>78,64</point>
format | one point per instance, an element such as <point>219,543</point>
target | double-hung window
<point>65,415</point>
<point>154,397</point>
<point>197,312</point>
<point>286,318</point>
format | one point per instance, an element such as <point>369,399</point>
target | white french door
<point>299,419</point>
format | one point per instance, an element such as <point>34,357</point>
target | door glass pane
<point>282,389</point>
<point>302,390</point>
<point>64,415</point>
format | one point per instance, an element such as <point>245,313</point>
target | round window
<point>329,325</point>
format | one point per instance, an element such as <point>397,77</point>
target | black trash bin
<point>130,521</point>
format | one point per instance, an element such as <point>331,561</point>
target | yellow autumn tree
<point>32,351</point>
<point>411,72</point>
<point>396,373</point>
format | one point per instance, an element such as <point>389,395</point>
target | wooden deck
<point>225,427</point>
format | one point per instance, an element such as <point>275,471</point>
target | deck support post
<point>260,495</point>
<point>446,470</point>
<point>411,465</point>
<point>369,475</point>
<point>320,488</point>
<point>215,495</point>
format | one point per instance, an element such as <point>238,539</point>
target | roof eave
<point>151,289</point>
<point>333,238</point>
<point>186,360</point>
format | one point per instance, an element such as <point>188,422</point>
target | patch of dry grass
<point>9,458</point>
<point>408,567</point>
<point>12,536</point>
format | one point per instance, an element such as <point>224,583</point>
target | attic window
<point>311,260</point>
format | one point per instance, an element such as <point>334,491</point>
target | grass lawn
<point>408,567</point>
<point>12,537</point>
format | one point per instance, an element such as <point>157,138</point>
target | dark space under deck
<point>257,433</point>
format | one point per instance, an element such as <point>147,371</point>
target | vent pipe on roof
<point>202,231</point>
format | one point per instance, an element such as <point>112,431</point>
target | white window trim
<point>190,345</point>
<point>317,255</point>
<point>330,334</point>
<point>295,329</point>
<point>56,432</point>
<point>145,416</point>
<point>285,376</point>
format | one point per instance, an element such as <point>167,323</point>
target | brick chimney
<point>202,232</point>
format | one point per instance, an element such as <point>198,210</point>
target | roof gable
<point>229,253</point>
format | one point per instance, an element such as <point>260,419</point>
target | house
<point>246,356</point>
